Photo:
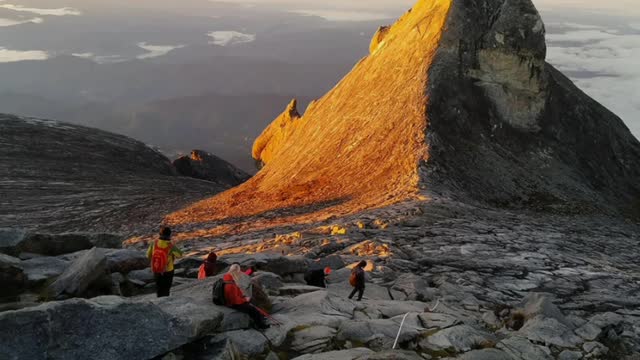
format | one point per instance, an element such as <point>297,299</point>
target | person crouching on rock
<point>209,267</point>
<point>357,280</point>
<point>236,299</point>
<point>162,254</point>
<point>317,278</point>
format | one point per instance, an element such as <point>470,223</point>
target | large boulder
<point>126,260</point>
<point>550,331</point>
<point>12,278</point>
<point>109,328</point>
<point>250,342</point>
<point>40,270</point>
<point>14,242</point>
<point>313,339</point>
<point>380,334</point>
<point>460,338</point>
<point>521,348</point>
<point>335,262</point>
<point>275,263</point>
<point>81,274</point>
<point>10,238</point>
<point>317,308</point>
<point>541,304</point>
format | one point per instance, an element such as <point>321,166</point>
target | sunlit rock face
<point>277,134</point>
<point>455,99</point>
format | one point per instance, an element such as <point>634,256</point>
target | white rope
<point>399,331</point>
<point>435,307</point>
<point>395,343</point>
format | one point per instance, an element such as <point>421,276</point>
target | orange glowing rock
<point>358,147</point>
<point>455,100</point>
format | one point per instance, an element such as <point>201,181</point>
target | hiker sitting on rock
<point>236,299</point>
<point>357,280</point>
<point>208,267</point>
<point>162,254</point>
<point>317,278</point>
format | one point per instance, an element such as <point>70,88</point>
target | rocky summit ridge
<point>455,100</point>
<point>58,177</point>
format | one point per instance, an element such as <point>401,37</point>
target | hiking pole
<point>399,331</point>
<point>267,315</point>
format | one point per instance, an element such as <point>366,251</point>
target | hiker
<point>236,299</point>
<point>208,267</point>
<point>357,280</point>
<point>317,278</point>
<point>162,254</point>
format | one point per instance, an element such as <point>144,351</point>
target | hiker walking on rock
<point>162,254</point>
<point>236,299</point>
<point>357,280</point>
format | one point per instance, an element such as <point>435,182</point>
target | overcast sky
<point>613,6</point>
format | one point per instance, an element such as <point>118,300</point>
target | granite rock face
<point>455,100</point>
<point>60,178</point>
<point>109,327</point>
<point>498,114</point>
<point>205,166</point>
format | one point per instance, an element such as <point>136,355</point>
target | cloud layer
<point>7,55</point>
<point>226,38</point>
<point>604,64</point>
<point>49,12</point>
<point>156,50</point>
<point>12,22</point>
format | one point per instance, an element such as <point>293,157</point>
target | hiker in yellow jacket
<point>162,254</point>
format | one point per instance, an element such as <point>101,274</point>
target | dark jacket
<point>360,279</point>
<point>315,278</point>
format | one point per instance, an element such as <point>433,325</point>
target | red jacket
<point>232,293</point>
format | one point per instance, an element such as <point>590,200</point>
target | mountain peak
<point>455,100</point>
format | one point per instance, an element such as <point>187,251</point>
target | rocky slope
<point>455,100</point>
<point>57,177</point>
<point>205,166</point>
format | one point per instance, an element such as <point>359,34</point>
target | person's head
<point>240,278</point>
<point>235,269</point>
<point>165,233</point>
<point>212,257</point>
<point>362,264</point>
<point>327,271</point>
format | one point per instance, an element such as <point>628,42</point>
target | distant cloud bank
<point>49,12</point>
<point>604,64</point>
<point>7,55</point>
<point>344,15</point>
<point>13,22</point>
<point>227,38</point>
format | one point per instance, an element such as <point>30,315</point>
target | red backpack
<point>160,258</point>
